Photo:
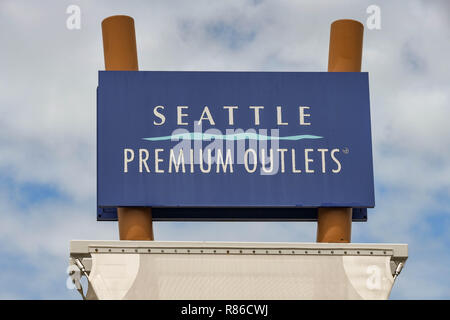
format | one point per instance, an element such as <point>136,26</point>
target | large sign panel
<point>234,140</point>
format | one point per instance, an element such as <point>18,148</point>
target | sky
<point>48,81</point>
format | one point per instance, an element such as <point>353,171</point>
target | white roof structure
<point>231,271</point>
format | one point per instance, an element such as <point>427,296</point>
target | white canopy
<point>221,270</point>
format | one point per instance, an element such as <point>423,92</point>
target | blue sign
<point>264,140</point>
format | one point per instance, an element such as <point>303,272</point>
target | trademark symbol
<point>345,150</point>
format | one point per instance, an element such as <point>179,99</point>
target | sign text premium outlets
<point>228,139</point>
<point>215,158</point>
<point>223,161</point>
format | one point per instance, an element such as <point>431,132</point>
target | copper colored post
<point>135,223</point>
<point>119,46</point>
<point>334,225</point>
<point>345,53</point>
<point>119,43</point>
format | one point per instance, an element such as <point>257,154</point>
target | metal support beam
<point>345,55</point>
<point>119,45</point>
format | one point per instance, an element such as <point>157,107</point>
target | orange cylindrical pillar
<point>346,41</point>
<point>119,46</point>
<point>345,55</point>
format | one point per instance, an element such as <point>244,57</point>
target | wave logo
<point>199,136</point>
